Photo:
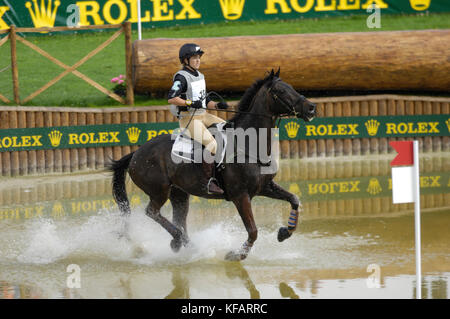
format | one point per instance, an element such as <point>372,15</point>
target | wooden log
<point>405,65</point>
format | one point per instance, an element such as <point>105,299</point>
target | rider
<point>188,95</point>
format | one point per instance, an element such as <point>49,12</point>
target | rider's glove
<point>196,105</point>
<point>222,105</point>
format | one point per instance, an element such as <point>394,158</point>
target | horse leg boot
<point>211,182</point>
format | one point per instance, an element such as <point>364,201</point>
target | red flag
<point>405,152</point>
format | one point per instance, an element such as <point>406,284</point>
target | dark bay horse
<point>152,169</point>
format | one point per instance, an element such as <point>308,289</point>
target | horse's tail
<point>119,169</point>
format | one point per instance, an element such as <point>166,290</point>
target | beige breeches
<point>197,129</point>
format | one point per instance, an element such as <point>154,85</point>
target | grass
<point>35,70</point>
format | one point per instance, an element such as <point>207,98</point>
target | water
<point>49,223</point>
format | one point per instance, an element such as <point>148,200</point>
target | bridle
<point>290,108</point>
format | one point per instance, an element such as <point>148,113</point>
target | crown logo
<point>294,188</point>
<point>58,210</point>
<point>133,134</point>
<point>42,16</point>
<point>232,9</point>
<point>55,138</point>
<point>372,127</point>
<point>292,129</point>
<point>374,187</point>
<point>419,5</point>
<point>448,124</point>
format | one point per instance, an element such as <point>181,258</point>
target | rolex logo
<point>374,187</point>
<point>419,5</point>
<point>448,124</point>
<point>55,138</point>
<point>42,15</point>
<point>58,210</point>
<point>133,134</point>
<point>232,9</point>
<point>292,129</point>
<point>372,127</point>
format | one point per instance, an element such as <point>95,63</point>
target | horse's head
<point>287,101</point>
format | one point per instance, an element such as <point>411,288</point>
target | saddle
<point>187,150</point>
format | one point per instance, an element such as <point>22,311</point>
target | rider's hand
<point>197,104</point>
<point>222,105</point>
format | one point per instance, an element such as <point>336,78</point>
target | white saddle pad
<point>187,150</point>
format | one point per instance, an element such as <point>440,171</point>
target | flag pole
<point>139,20</point>
<point>417,221</point>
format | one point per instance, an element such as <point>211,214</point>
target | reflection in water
<point>348,223</point>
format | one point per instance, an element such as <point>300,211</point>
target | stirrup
<point>212,179</point>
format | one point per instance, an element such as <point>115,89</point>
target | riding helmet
<point>188,50</point>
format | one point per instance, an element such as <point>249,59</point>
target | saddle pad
<point>187,150</point>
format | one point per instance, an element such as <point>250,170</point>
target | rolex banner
<point>64,137</point>
<point>154,13</point>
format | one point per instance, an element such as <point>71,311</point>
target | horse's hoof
<point>235,256</point>
<point>283,233</point>
<point>175,245</point>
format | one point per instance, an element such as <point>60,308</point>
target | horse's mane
<point>246,100</point>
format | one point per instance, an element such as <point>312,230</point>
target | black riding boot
<point>211,182</point>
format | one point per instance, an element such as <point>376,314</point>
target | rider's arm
<point>178,89</point>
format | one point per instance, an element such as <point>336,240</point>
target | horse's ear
<point>272,74</point>
<point>278,73</point>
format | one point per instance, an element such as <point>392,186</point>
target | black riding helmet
<point>188,50</point>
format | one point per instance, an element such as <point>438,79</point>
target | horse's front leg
<point>244,206</point>
<point>273,190</point>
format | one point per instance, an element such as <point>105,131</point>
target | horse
<point>153,170</point>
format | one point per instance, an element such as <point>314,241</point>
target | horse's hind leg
<point>180,204</point>
<point>153,211</point>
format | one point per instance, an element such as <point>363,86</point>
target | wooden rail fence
<point>12,35</point>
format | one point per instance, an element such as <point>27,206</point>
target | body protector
<point>196,90</point>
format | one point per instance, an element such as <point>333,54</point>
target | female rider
<point>188,95</point>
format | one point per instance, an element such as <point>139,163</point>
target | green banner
<point>64,137</point>
<point>157,13</point>
<point>365,127</point>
